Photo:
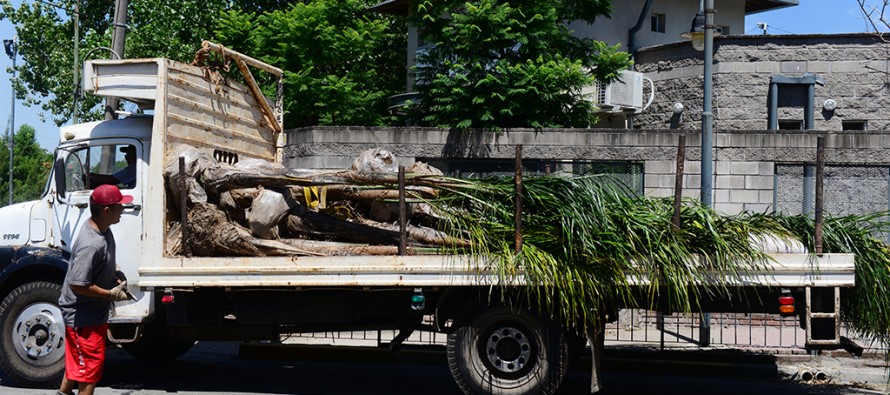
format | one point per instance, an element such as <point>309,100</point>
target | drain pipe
<point>632,33</point>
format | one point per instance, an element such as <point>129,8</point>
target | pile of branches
<point>259,208</point>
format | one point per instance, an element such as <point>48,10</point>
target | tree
<point>339,62</point>
<point>509,63</point>
<point>31,166</point>
<point>875,18</point>
<point>155,28</point>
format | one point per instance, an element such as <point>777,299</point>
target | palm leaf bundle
<point>584,235</point>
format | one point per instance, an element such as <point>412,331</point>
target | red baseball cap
<point>109,194</point>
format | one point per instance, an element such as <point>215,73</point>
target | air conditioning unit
<point>625,93</point>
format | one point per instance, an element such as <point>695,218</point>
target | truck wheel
<point>156,346</point>
<point>502,351</point>
<point>33,335</point>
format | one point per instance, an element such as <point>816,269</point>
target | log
<point>212,234</point>
<point>336,229</point>
<point>353,192</point>
<point>422,235</point>
<point>220,179</point>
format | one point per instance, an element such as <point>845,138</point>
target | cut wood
<point>421,234</point>
<point>212,234</point>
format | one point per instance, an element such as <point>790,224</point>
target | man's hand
<point>119,292</point>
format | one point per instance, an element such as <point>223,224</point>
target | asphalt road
<point>217,368</point>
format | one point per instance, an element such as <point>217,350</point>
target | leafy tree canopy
<point>341,63</point>
<point>509,63</point>
<point>338,58</point>
<point>31,165</point>
<point>156,28</point>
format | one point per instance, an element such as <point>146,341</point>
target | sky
<point>810,17</point>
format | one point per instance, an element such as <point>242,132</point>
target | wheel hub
<point>508,349</point>
<point>39,334</point>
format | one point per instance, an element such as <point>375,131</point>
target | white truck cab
<point>38,235</point>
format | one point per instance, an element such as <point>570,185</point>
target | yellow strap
<point>311,196</point>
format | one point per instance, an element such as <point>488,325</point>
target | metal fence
<point>766,332</point>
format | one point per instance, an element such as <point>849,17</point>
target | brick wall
<point>745,161</point>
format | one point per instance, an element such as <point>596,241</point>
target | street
<point>216,368</point>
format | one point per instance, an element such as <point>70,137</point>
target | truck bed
<point>786,270</point>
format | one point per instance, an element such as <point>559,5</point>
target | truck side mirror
<point>59,176</point>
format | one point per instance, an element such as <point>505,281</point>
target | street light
<point>12,48</point>
<point>702,35</point>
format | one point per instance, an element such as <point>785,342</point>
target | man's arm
<point>92,291</point>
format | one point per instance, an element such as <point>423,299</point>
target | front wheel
<point>33,335</point>
<point>498,350</point>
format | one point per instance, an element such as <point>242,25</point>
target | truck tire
<point>156,346</point>
<point>32,352</point>
<point>498,350</point>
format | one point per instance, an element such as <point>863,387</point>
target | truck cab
<point>184,105</point>
<point>38,236</point>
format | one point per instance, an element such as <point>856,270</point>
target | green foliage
<point>156,28</point>
<point>583,235</point>
<point>31,166</point>
<point>340,62</point>
<point>509,63</point>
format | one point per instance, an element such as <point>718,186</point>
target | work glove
<point>119,292</point>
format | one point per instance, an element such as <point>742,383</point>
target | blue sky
<point>811,16</point>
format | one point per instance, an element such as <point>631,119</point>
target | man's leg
<point>86,388</point>
<point>67,386</point>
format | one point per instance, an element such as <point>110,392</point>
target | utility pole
<point>117,45</point>
<point>12,49</point>
<point>75,76</point>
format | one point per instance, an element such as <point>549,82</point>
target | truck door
<point>118,161</point>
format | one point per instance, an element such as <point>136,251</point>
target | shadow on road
<point>223,367</point>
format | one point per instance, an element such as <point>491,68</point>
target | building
<point>634,23</point>
<point>772,97</point>
<point>787,82</point>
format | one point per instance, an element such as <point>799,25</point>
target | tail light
<point>168,297</point>
<point>786,303</point>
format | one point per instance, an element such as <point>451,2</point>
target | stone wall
<point>854,68</point>
<point>745,161</point>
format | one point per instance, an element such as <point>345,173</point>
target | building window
<point>790,124</point>
<point>723,30</point>
<point>854,125</point>
<point>657,21</point>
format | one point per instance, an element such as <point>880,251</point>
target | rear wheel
<point>498,350</point>
<point>33,335</point>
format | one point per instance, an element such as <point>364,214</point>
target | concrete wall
<point>745,161</point>
<point>854,67</point>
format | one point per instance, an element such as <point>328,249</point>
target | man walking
<point>88,290</point>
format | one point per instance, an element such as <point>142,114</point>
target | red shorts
<point>85,353</point>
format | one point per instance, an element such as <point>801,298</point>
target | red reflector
<point>786,309</point>
<point>786,300</point>
<point>167,299</point>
